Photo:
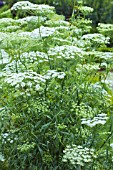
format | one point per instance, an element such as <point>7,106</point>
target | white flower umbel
<point>27,79</point>
<point>99,119</point>
<point>3,36</point>
<point>4,22</point>
<point>30,57</point>
<point>78,155</point>
<point>39,32</point>
<point>11,28</point>
<point>99,55</point>
<point>26,6</point>
<point>23,5</point>
<point>105,26</point>
<point>53,74</point>
<point>105,29</point>
<point>31,20</point>
<point>12,66</point>
<point>25,60</point>
<point>96,38</point>
<point>43,32</point>
<point>65,51</point>
<point>87,67</point>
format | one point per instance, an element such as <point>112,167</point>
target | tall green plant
<point>55,93</point>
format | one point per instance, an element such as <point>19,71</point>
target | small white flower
<point>111,145</point>
<point>29,84</point>
<point>22,84</point>
<point>5,135</point>
<point>17,86</point>
<point>37,87</point>
<point>1,157</point>
<point>99,119</point>
<point>11,141</point>
<point>61,76</point>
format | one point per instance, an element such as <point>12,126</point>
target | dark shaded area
<point>1,3</point>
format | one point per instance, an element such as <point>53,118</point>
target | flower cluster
<point>52,82</point>
<point>99,119</point>
<point>78,155</point>
<point>11,28</point>
<point>105,29</point>
<point>11,25</point>
<point>83,110</point>
<point>26,147</point>
<point>39,32</point>
<point>32,56</point>
<point>30,19</point>
<point>26,59</point>
<point>27,79</point>
<point>26,6</point>
<point>8,138</point>
<point>65,51</point>
<point>87,67</point>
<point>85,10</point>
<point>4,22</point>
<point>99,55</point>
<point>53,74</point>
<point>84,25</point>
<point>96,38</point>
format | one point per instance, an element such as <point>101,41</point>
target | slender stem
<point>107,139</point>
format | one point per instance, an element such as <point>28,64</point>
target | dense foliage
<point>56,93</point>
<point>103,10</point>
